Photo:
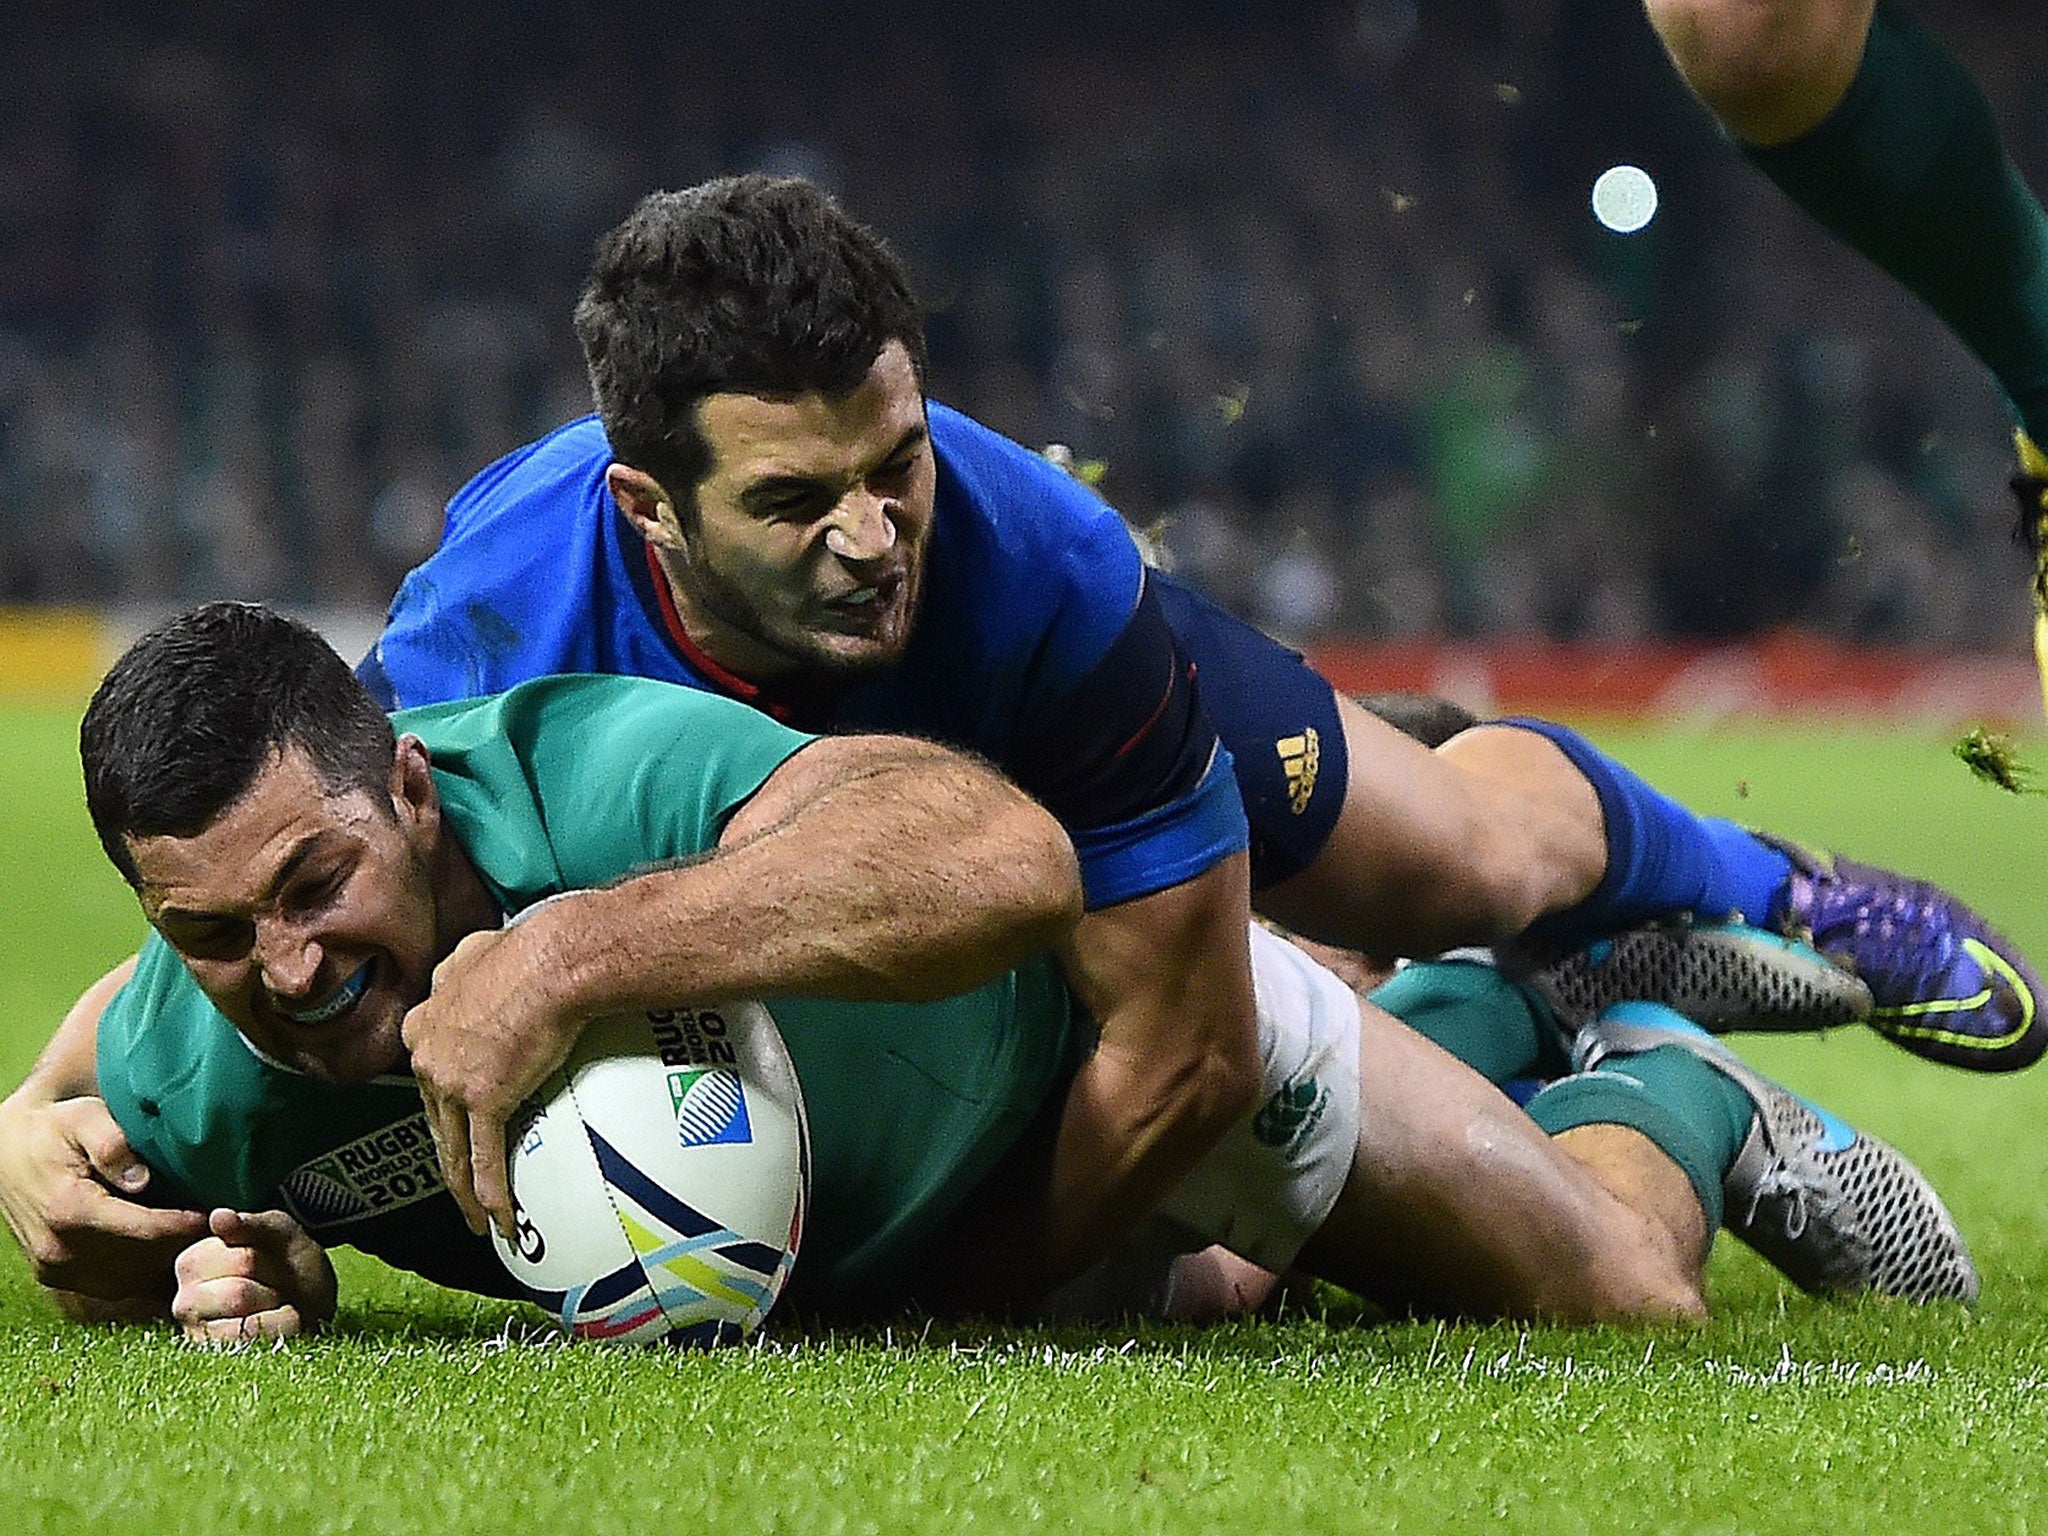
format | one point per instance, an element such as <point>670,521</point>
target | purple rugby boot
<point>1946,984</point>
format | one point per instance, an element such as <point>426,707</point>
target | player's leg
<point>1868,123</point>
<point>1364,838</point>
<point>1839,1212</point>
<point>1524,825</point>
<point>1770,70</point>
<point>1654,1096</point>
<point>1382,1162</point>
<point>1871,125</point>
<point>1676,1132</point>
<point>1834,1210</point>
<point>1466,844</point>
<point>1458,1202</point>
<point>1505,825</point>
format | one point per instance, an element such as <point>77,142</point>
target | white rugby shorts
<point>1268,1185</point>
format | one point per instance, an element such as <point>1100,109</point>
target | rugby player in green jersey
<point>311,875</point>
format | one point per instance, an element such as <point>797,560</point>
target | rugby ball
<point>660,1177</point>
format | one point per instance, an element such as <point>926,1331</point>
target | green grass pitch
<point>425,1411</point>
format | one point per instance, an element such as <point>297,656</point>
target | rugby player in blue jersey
<point>768,507</point>
<point>308,865</point>
<point>770,510</point>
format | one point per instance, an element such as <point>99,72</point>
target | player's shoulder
<point>1010,487</point>
<point>572,781</point>
<point>563,470</point>
<point>169,1066</point>
<point>513,590</point>
<point>607,704</point>
<point>540,737</point>
<point>1015,525</point>
<point>153,1021</point>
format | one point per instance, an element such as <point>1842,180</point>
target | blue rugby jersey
<point>1037,645</point>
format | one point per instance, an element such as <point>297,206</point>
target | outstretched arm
<point>863,867</point>
<point>69,1183</point>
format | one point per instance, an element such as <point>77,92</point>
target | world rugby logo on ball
<point>710,1105</point>
<point>660,1181</point>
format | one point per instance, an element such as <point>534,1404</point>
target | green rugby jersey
<point>562,784</point>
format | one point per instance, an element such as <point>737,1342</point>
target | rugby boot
<point>1723,976</point>
<point>1946,984</point>
<point>2030,485</point>
<point>1837,1212</point>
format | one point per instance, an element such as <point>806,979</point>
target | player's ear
<point>413,795</point>
<point>645,504</point>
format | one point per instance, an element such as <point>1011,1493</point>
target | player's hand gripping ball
<point>660,1179</point>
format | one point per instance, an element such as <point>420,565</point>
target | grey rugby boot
<point>1721,976</point>
<point>1837,1212</point>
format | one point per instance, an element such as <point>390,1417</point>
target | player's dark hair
<point>756,285</point>
<point>181,725</point>
<point>1430,720</point>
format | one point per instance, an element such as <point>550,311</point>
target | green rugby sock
<point>1909,170</point>
<point>1697,1118</point>
<point>1500,1030</point>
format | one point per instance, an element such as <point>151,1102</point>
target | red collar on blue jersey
<point>787,710</point>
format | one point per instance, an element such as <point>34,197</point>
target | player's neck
<point>728,656</point>
<point>463,904</point>
<point>732,657</point>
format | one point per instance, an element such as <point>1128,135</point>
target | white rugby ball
<point>660,1178</point>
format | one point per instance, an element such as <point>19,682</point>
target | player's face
<point>807,551</point>
<point>308,917</point>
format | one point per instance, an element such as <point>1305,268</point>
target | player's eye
<point>212,938</point>
<point>798,504</point>
<point>320,890</point>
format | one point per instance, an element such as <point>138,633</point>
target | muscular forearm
<point>1127,1137</point>
<point>1168,980</point>
<point>898,872</point>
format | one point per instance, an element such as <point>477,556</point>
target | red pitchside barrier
<point>58,654</point>
<point>1786,674</point>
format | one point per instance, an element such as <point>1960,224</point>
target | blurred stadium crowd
<point>1315,281</point>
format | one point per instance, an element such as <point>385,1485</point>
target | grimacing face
<point>805,555</point>
<point>308,917</point>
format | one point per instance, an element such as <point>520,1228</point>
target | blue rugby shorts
<point>1278,716</point>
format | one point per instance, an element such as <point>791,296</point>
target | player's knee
<point>1745,58</point>
<point>1653,1292</point>
<point>1636,1278</point>
<point>1492,881</point>
<point>1527,833</point>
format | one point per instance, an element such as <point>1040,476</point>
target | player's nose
<point>863,528</point>
<point>289,960</point>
